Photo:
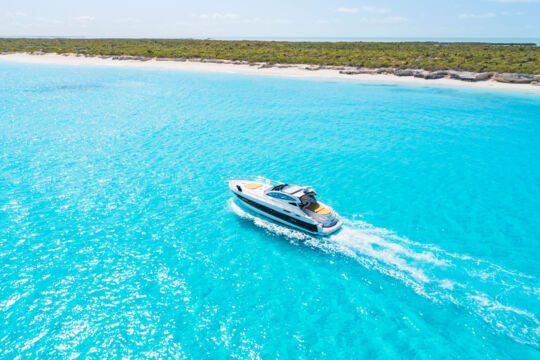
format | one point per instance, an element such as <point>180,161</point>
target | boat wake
<point>482,288</point>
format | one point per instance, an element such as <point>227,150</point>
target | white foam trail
<point>443,277</point>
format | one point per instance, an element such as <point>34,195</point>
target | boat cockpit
<point>301,196</point>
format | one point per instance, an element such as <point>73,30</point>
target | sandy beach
<point>291,71</point>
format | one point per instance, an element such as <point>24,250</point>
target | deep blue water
<point>119,237</point>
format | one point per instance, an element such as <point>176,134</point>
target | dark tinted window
<point>280,196</point>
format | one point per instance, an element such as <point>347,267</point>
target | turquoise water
<point>119,236</point>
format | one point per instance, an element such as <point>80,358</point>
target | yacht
<point>292,205</point>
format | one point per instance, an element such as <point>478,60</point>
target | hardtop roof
<point>293,190</point>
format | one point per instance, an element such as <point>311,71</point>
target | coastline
<point>279,70</point>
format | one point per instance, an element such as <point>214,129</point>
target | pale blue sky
<point>276,18</point>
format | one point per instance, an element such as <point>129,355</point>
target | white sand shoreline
<point>291,71</point>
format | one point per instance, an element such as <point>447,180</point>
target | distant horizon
<point>531,40</point>
<point>278,19</point>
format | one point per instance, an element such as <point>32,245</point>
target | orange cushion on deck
<point>253,186</point>
<point>319,209</point>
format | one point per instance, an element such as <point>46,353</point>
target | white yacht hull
<point>291,218</point>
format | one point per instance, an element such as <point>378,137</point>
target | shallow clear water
<point>119,237</point>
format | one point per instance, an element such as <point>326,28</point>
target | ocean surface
<point>119,236</point>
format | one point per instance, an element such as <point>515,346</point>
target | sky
<point>272,19</point>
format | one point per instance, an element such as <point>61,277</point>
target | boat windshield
<point>279,187</point>
<point>288,189</point>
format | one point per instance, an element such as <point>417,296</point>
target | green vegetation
<point>477,57</point>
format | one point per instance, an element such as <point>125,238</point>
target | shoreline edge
<point>406,76</point>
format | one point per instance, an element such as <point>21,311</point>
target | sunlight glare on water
<point>120,238</point>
